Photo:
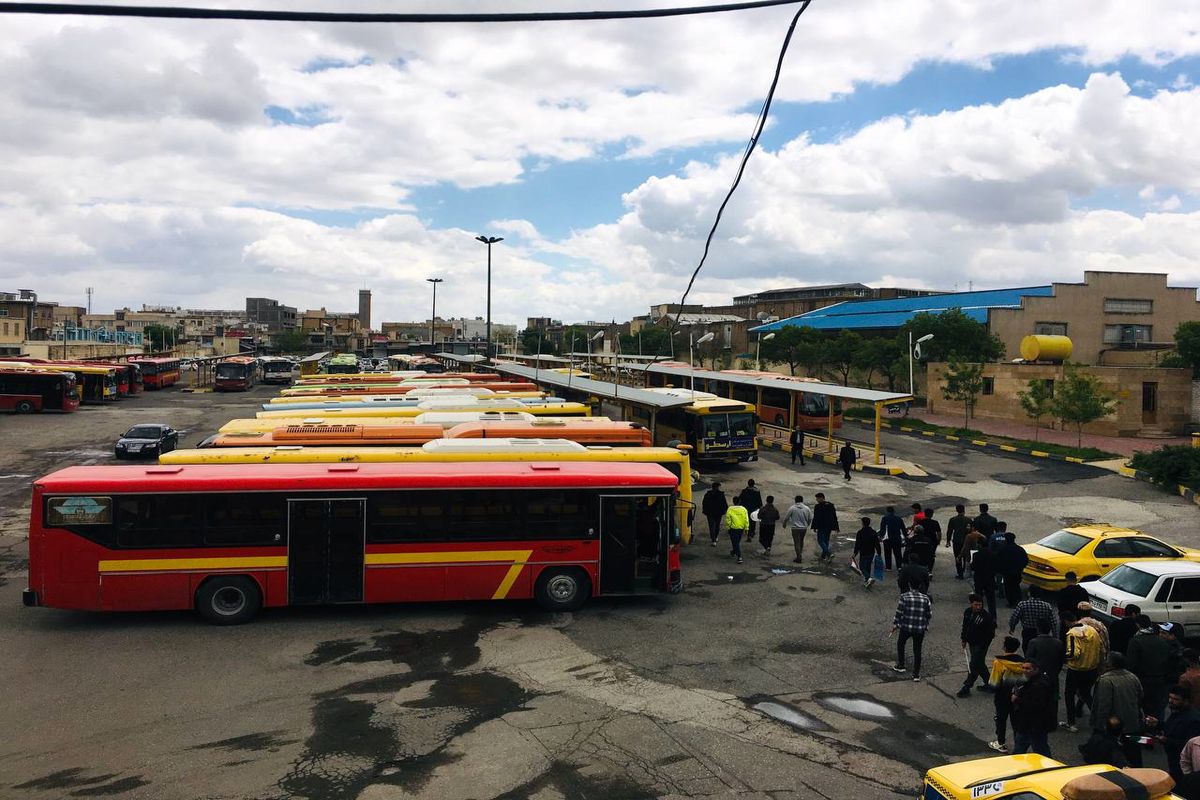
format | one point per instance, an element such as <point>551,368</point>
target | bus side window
<point>563,514</point>
<point>157,521</point>
<point>245,519</point>
<point>406,517</point>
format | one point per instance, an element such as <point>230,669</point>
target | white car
<point>1165,591</point>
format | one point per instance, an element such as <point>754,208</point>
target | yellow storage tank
<point>1046,348</point>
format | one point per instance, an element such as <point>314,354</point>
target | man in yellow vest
<point>737,522</point>
<point>1083,667</point>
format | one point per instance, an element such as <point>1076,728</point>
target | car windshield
<point>144,432</point>
<point>1064,542</point>
<point>1131,580</point>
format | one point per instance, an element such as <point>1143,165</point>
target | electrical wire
<point>751,146</point>
<point>262,15</point>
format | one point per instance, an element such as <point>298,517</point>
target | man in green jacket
<point>1118,693</point>
<point>737,522</point>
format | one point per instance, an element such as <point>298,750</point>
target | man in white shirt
<point>798,518</point>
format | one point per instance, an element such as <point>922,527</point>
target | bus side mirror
<point>676,536</point>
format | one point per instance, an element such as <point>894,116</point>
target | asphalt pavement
<point>760,680</point>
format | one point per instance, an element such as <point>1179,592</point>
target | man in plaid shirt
<point>913,613</point>
<point>1027,613</point>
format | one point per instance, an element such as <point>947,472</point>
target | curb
<point>1143,476</point>
<point>980,443</point>
<point>878,469</point>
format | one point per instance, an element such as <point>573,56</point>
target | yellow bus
<point>717,428</point>
<point>445,420</point>
<point>440,450</point>
<point>465,391</point>
<point>537,409</point>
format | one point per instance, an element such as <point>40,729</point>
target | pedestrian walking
<point>1008,672</point>
<point>1027,614</point>
<point>1190,679</point>
<point>737,522</point>
<point>796,440</point>
<point>798,519</point>
<point>847,458</point>
<point>978,630</point>
<point>1148,657</point>
<point>866,550</point>
<point>751,500</point>
<point>917,516</point>
<point>1189,764</point>
<point>1084,610</point>
<point>974,542</point>
<point>1083,660</point>
<point>983,576</point>
<point>920,544</point>
<point>1034,712</point>
<point>1012,560</point>
<point>913,575</point>
<point>996,540</point>
<point>1123,629</point>
<point>984,522</point>
<point>891,528</point>
<point>1118,693</point>
<point>824,522</point>
<point>714,505</point>
<point>914,612</point>
<point>1105,747</point>
<point>957,529</point>
<point>768,518</point>
<point>1070,595</point>
<point>1181,725</point>
<point>1048,652</point>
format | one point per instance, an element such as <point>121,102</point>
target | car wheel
<point>228,600</point>
<point>562,589</point>
<point>24,407</point>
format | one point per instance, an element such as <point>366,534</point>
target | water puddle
<point>774,570</point>
<point>790,716</point>
<point>858,706</point>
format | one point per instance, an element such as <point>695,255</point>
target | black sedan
<point>147,441</point>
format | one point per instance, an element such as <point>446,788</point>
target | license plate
<point>1099,605</point>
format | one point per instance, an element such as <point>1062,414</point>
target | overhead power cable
<point>751,146</point>
<point>262,15</point>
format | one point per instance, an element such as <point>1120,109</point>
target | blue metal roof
<point>877,314</point>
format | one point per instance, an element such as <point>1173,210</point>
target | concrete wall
<point>1173,415</point>
<point>77,350</point>
<point>1081,307</point>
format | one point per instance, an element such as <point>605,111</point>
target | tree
<point>159,337</point>
<point>963,383</point>
<point>788,347</point>
<point>293,340</point>
<point>885,356</point>
<point>1080,399</point>
<point>651,340</point>
<point>1187,345</point>
<point>713,352</point>
<point>844,353</point>
<point>1037,401</point>
<point>955,336</point>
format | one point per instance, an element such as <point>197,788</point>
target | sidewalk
<point>1113,444</point>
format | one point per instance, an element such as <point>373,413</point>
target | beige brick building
<point>1111,318</point>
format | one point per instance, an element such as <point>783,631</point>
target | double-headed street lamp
<point>758,351</point>
<point>591,339</point>
<point>433,314</point>
<point>708,337</point>
<point>914,352</point>
<point>489,241</point>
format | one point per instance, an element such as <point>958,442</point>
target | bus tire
<point>228,599</point>
<point>24,407</point>
<point>562,588</point>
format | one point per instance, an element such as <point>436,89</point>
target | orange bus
<point>228,540</point>
<point>158,373</point>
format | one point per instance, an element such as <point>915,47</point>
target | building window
<point>1127,335</point>
<point>1121,306</point>
<point>1050,328</point>
<point>989,385</point>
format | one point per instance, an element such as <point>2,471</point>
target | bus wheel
<point>228,600</point>
<point>23,407</point>
<point>562,589</point>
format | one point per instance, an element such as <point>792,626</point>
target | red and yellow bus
<point>227,540</point>
<point>129,377</point>
<point>584,430</point>
<point>158,373</point>
<point>25,391</point>
<point>236,374</point>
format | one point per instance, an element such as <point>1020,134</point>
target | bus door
<point>634,538</point>
<point>325,550</point>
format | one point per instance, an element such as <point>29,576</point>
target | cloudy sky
<point>929,143</point>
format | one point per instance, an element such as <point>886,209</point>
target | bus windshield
<point>230,370</point>
<point>720,425</point>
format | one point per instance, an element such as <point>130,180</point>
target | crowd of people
<point>1138,683</point>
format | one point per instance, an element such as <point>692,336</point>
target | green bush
<point>1171,466</point>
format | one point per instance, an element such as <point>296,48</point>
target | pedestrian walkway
<point>1125,446</point>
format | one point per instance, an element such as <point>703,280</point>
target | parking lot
<point>760,680</point>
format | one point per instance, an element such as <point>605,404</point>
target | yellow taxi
<point>1092,550</point>
<point>1035,777</point>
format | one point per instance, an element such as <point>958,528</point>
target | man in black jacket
<point>796,440</point>
<point>1121,631</point>
<point>1034,712</point>
<point>847,457</point>
<point>714,507</point>
<point>985,523</point>
<point>866,549</point>
<point>978,630</point>
<point>913,576</point>
<point>1012,560</point>
<point>1071,595</point>
<point>984,574</point>
<point>956,535</point>
<point>824,522</point>
<point>751,500</point>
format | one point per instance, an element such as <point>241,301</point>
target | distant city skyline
<point>198,163</point>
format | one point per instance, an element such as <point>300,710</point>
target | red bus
<point>129,377</point>
<point>227,540</point>
<point>27,390</point>
<point>236,374</point>
<point>158,373</point>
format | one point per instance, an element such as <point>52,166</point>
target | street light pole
<point>433,313</point>
<point>914,352</point>
<point>708,337</point>
<point>758,353</point>
<point>489,241</point>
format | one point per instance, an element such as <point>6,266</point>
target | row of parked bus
<point>29,385</point>
<point>450,496</point>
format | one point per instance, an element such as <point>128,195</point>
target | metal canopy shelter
<point>471,358</point>
<point>878,399</point>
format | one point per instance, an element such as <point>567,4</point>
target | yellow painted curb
<point>1039,453</point>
